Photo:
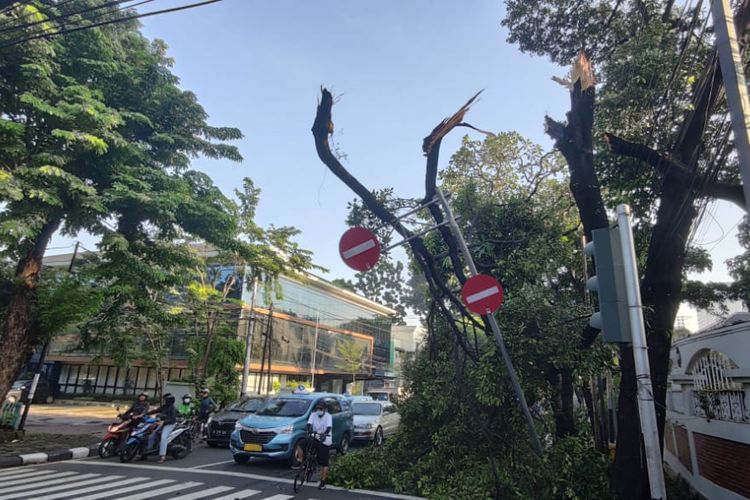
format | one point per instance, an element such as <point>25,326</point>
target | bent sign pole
<point>488,313</point>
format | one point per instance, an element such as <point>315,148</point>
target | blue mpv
<point>277,430</point>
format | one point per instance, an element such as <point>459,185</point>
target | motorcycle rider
<point>321,423</point>
<point>138,409</point>
<point>186,408</point>
<point>206,405</point>
<point>167,417</point>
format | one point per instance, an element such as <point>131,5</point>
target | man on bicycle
<point>321,423</point>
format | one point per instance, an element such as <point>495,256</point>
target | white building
<point>707,431</point>
<point>693,320</point>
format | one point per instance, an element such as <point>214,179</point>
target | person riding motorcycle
<point>206,405</point>
<point>186,408</point>
<point>167,418</point>
<point>138,409</point>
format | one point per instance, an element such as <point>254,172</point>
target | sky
<point>399,67</point>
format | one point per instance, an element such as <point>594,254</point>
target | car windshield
<point>248,405</point>
<point>379,396</point>
<point>285,408</point>
<point>366,408</point>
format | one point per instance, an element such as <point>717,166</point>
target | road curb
<point>52,456</point>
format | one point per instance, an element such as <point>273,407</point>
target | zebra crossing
<point>51,484</point>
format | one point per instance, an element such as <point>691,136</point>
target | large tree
<point>96,135</point>
<point>653,134</point>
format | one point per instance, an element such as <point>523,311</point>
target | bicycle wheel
<point>299,478</point>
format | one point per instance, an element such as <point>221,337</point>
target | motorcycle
<point>117,435</point>
<point>179,441</point>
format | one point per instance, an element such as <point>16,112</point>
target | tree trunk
<point>20,334</point>
<point>561,382</point>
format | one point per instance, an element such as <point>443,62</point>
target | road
<point>207,473</point>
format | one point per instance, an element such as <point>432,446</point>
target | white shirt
<point>320,424</point>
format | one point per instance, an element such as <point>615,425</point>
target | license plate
<point>253,447</point>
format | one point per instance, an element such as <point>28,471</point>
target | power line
<point>63,16</point>
<point>111,21</point>
<point>32,12</point>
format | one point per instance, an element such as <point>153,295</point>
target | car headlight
<point>287,429</point>
<point>237,426</point>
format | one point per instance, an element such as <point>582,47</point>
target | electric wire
<point>108,22</point>
<point>27,15</point>
<point>63,16</point>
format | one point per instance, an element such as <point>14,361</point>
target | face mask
<point>320,413</point>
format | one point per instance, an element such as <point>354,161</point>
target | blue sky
<point>400,67</point>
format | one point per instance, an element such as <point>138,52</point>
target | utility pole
<point>42,358</point>
<point>733,74</point>
<point>493,324</point>
<point>646,409</point>
<point>249,340</point>
<point>315,348</point>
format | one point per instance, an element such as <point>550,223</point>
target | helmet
<point>168,398</point>
<point>144,394</point>
<point>204,391</point>
<point>186,398</point>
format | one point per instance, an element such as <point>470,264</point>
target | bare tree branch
<point>666,165</point>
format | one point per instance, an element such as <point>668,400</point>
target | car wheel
<point>298,454</point>
<point>378,439</point>
<point>344,444</point>
<point>241,459</point>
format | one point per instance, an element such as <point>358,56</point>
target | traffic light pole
<point>493,324</point>
<point>646,409</point>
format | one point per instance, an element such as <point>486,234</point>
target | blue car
<point>277,429</point>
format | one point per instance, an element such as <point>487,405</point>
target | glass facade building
<point>307,324</point>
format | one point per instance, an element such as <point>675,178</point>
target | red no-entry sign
<point>359,248</point>
<point>482,294</point>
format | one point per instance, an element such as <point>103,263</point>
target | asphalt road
<point>207,473</point>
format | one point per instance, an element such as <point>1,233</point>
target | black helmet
<point>187,396</point>
<point>168,398</point>
<point>144,394</point>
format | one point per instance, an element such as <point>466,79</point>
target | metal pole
<point>646,409</point>
<point>249,341</point>
<point>42,358</point>
<point>315,348</point>
<point>734,82</point>
<point>493,324</point>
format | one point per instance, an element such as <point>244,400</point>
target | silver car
<point>374,420</point>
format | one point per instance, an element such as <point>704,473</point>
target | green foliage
<point>351,356</point>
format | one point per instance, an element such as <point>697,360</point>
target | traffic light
<point>609,285</point>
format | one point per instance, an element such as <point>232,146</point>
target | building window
<point>716,396</point>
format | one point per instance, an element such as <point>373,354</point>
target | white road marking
<point>162,491</point>
<point>16,470</point>
<point>25,480</point>
<point>120,491</point>
<point>66,486</point>
<point>271,479</point>
<point>358,249</point>
<point>18,475</point>
<point>90,489</point>
<point>44,483</point>
<point>278,497</point>
<point>238,495</point>
<point>211,465</point>
<point>475,297</point>
<point>205,493</point>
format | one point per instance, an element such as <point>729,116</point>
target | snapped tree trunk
<point>20,332</point>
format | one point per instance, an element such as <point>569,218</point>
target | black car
<point>221,425</point>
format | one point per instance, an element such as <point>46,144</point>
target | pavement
<point>207,473</point>
<point>67,419</point>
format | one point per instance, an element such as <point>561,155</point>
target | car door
<point>334,408</point>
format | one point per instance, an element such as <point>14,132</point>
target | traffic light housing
<point>609,285</point>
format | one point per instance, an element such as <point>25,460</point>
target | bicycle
<point>309,462</point>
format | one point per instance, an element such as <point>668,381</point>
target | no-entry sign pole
<point>537,445</point>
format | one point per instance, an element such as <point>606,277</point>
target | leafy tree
<point>653,134</point>
<point>95,130</point>
<point>351,356</point>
